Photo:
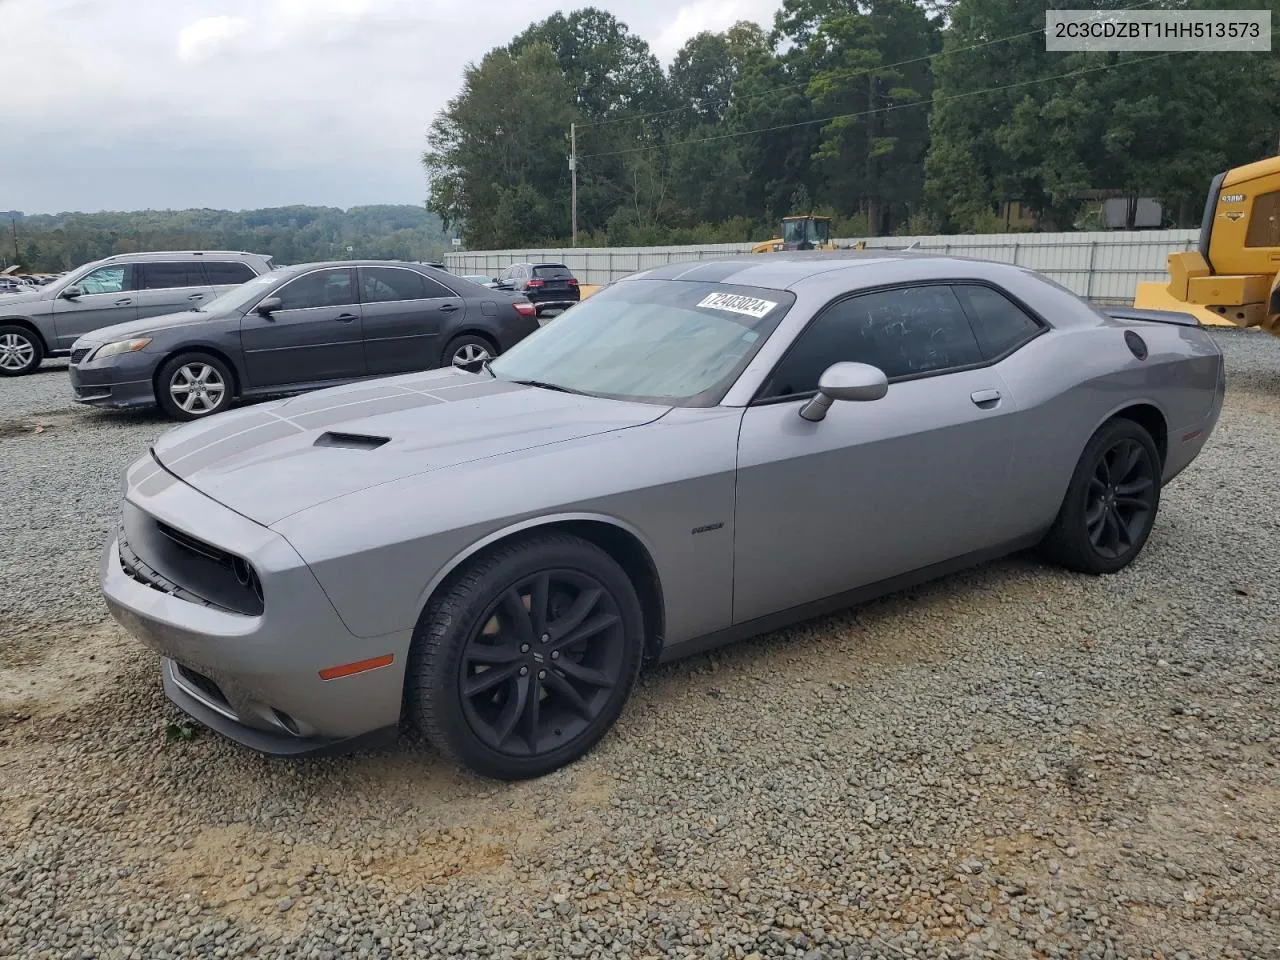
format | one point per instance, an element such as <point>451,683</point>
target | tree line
<point>892,116</point>
<point>295,234</point>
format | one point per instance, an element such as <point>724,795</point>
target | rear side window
<point>222,273</point>
<point>906,332</point>
<point>552,272</point>
<point>384,285</point>
<point>388,284</point>
<point>166,276</point>
<point>1000,324</point>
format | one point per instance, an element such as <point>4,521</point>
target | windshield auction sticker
<point>736,303</point>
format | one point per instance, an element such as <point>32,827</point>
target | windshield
<point>799,231</point>
<point>656,341</point>
<point>238,299</point>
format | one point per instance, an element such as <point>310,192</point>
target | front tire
<point>1111,502</point>
<point>192,386</point>
<point>21,351</point>
<point>525,660</point>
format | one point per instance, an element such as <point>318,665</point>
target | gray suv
<point>119,289</point>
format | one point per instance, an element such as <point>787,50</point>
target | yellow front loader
<point>1233,277</point>
<point>799,233</point>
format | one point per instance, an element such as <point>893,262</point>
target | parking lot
<point>1015,762</point>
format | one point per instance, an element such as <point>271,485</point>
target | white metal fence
<point>1101,266</point>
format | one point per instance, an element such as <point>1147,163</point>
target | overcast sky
<point>134,104</point>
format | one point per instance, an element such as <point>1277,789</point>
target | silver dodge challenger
<point>697,453</point>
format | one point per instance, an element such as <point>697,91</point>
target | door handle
<point>985,398</point>
<point>125,302</point>
<point>196,296</point>
<point>448,307</point>
<point>345,317</point>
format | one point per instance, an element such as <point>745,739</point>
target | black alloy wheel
<point>539,668</point>
<point>523,659</point>
<point>1121,498</point>
<point>1111,501</point>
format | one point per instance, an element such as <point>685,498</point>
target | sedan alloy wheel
<point>197,388</point>
<point>470,355</point>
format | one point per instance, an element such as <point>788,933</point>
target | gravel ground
<point>1011,763</point>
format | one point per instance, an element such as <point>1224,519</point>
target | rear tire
<point>468,352</point>
<point>21,351</point>
<point>193,386</point>
<point>523,662</point>
<point>1111,502</point>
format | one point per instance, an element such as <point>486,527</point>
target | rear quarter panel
<point>1070,381</point>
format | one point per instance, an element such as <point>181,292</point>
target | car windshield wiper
<point>549,386</point>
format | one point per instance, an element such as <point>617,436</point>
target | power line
<point>799,85</point>
<point>886,109</point>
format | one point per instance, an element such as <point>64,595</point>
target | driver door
<point>107,297</point>
<point>878,488</point>
<point>315,335</point>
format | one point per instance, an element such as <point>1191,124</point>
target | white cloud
<point>229,103</point>
<point>713,15</point>
<point>197,41</point>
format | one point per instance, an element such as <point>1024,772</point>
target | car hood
<point>272,460</point>
<point>147,326</point>
<point>13,299</point>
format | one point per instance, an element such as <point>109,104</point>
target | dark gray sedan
<point>297,329</point>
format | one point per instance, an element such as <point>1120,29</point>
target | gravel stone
<point>1014,762</point>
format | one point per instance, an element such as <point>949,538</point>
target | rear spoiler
<point>1152,316</point>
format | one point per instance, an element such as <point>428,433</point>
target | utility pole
<point>573,176</point>
<point>17,257</point>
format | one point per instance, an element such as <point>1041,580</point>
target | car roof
<point>171,254</point>
<point>792,269</point>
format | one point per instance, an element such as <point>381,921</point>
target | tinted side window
<point>436,289</point>
<point>166,276</point>
<point>999,323</point>
<point>221,273</point>
<point>385,284</point>
<point>324,288</point>
<point>904,332</point>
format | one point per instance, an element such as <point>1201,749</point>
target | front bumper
<point>255,679</point>
<point>120,382</point>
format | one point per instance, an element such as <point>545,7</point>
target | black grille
<point>143,572</point>
<point>211,577</point>
<point>78,355</point>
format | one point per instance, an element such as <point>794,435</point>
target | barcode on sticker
<point>736,303</point>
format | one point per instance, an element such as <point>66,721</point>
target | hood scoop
<point>351,441</point>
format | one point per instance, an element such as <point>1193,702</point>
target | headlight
<point>120,346</point>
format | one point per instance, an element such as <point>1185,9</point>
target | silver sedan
<point>697,453</point>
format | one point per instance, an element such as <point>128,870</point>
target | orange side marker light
<point>360,666</point>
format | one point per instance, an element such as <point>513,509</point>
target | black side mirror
<point>845,381</point>
<point>266,306</point>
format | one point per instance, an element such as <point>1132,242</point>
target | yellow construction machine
<point>1234,275</point>
<point>807,232</point>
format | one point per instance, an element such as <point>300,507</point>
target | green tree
<point>496,153</point>
<point>868,69</point>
